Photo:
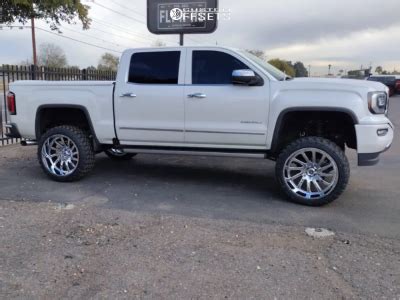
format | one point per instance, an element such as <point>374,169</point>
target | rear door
<point>149,106</point>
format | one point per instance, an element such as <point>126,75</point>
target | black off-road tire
<point>85,149</point>
<point>325,145</point>
<point>119,157</point>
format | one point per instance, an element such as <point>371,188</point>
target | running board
<point>218,153</point>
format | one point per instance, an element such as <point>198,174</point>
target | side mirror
<point>245,77</point>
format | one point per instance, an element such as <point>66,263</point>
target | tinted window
<point>383,79</point>
<point>155,67</point>
<point>213,67</point>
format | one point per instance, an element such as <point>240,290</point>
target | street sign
<point>181,16</point>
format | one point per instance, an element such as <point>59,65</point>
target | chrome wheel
<point>311,173</point>
<point>60,155</point>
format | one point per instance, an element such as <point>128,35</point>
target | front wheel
<point>312,171</point>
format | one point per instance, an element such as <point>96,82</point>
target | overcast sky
<point>344,33</point>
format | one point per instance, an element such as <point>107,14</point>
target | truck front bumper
<point>372,140</point>
<point>12,131</point>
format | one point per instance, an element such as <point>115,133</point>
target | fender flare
<point>279,122</point>
<point>74,106</point>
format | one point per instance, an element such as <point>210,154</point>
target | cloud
<point>345,33</point>
<point>278,23</point>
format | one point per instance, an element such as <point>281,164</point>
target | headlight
<point>378,102</point>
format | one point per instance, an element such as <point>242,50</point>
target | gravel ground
<point>50,250</point>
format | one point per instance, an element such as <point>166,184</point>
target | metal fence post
<point>84,74</point>
<point>33,72</point>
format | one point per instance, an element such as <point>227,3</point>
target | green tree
<point>108,61</point>
<point>284,66</point>
<point>379,70</point>
<point>52,56</point>
<point>300,69</point>
<point>91,68</point>
<point>53,11</point>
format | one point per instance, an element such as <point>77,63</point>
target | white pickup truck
<point>207,101</point>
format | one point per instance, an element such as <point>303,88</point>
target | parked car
<point>207,101</point>
<point>391,81</point>
<point>397,86</point>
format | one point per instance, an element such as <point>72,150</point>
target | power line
<point>67,37</point>
<point>94,37</point>
<point>106,24</point>
<point>127,8</point>
<point>120,36</point>
<point>119,13</point>
<point>116,27</point>
<point>134,11</point>
<point>79,41</point>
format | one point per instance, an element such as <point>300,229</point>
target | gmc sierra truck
<point>207,101</point>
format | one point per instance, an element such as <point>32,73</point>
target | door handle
<point>130,95</point>
<point>197,95</point>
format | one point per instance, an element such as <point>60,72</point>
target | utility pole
<point>329,69</point>
<point>309,70</point>
<point>33,41</point>
<point>181,41</point>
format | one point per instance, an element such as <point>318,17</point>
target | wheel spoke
<point>322,159</point>
<point>296,176</point>
<point>300,184</point>
<point>327,167</point>
<point>295,168</point>
<point>308,186</point>
<point>327,174</point>
<point>314,156</point>
<point>305,157</point>
<point>299,161</point>
<point>317,185</point>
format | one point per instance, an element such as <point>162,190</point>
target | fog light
<point>382,132</point>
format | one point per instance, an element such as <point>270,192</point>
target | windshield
<point>270,69</point>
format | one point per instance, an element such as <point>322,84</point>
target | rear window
<point>155,67</point>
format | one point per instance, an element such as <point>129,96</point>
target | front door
<point>218,113</point>
<point>149,106</point>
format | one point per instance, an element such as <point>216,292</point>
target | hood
<point>339,83</point>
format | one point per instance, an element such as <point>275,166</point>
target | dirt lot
<point>183,227</point>
<point>48,250</point>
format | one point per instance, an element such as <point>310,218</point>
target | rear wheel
<point>119,154</point>
<point>65,153</point>
<point>312,171</point>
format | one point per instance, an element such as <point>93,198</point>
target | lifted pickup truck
<point>207,101</point>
